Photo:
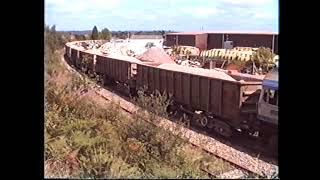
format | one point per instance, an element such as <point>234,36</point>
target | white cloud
<point>234,2</point>
<point>129,15</point>
<point>264,15</point>
<point>148,13</point>
<point>201,12</point>
<point>150,17</point>
<point>246,2</point>
<point>165,2</point>
<point>80,6</point>
<point>136,15</point>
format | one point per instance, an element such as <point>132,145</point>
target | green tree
<point>263,58</point>
<point>95,33</point>
<point>105,34</point>
<point>80,37</point>
<point>163,33</point>
<point>53,29</point>
<point>53,38</point>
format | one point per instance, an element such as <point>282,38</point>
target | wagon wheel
<point>83,69</point>
<point>202,121</point>
<point>223,129</point>
<point>178,117</point>
<point>86,70</point>
<point>107,81</point>
<point>102,80</point>
<point>185,120</point>
<point>98,79</point>
<point>172,110</point>
<point>91,73</point>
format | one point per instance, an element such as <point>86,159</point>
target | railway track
<point>243,161</point>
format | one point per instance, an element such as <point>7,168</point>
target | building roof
<point>187,33</point>
<point>223,32</point>
<point>146,37</point>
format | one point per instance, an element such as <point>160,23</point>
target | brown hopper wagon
<point>219,100</point>
<point>74,56</point>
<point>115,70</point>
<point>216,101</point>
<point>89,57</point>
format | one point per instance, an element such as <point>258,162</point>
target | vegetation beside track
<point>85,138</point>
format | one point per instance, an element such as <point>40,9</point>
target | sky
<point>176,15</point>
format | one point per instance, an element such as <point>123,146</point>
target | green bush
<point>165,172</point>
<point>57,149</point>
<point>156,103</point>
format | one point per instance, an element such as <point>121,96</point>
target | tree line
<point>125,34</point>
<point>106,34</point>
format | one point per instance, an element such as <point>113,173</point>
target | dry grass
<point>86,138</point>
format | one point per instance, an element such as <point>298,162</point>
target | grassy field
<point>87,137</point>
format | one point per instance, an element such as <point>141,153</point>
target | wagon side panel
<point>230,100</point>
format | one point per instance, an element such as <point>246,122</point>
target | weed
<point>156,103</point>
<point>86,140</point>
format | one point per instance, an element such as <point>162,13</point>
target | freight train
<point>248,105</point>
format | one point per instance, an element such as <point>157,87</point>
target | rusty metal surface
<point>249,40</point>
<point>187,40</point>
<point>219,97</point>
<point>74,56</point>
<point>67,50</point>
<point>215,96</point>
<point>170,40</point>
<point>117,69</point>
<point>230,100</point>
<point>99,60</point>
<point>214,41</point>
<point>201,41</point>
